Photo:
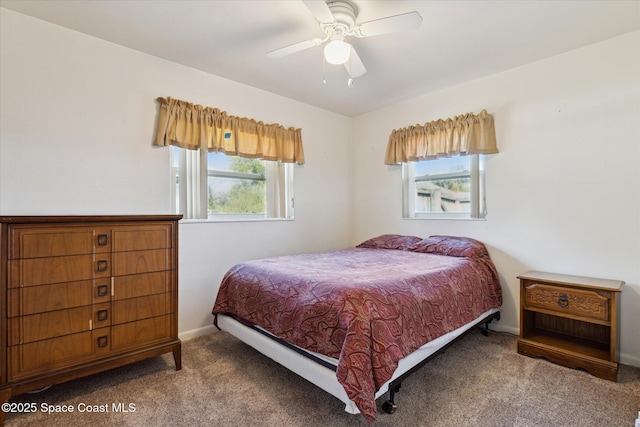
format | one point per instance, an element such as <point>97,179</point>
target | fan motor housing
<point>345,16</point>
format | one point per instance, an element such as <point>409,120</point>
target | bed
<point>356,321</point>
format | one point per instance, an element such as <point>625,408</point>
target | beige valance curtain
<point>465,134</point>
<point>195,127</point>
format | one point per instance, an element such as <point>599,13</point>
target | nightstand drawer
<point>565,300</point>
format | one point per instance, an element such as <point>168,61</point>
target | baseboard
<point>631,360</point>
<point>194,333</point>
<point>496,326</point>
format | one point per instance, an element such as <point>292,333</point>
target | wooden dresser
<point>571,320</point>
<point>83,294</point>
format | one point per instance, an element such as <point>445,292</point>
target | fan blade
<point>320,11</point>
<point>391,24</point>
<point>354,65</point>
<point>288,50</point>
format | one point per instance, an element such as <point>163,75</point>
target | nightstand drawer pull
<point>563,301</point>
<point>103,315</point>
<point>103,265</point>
<point>103,239</point>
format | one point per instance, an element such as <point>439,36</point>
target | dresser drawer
<point>43,271</point>
<point>38,299</point>
<point>140,333</point>
<point>132,309</point>
<point>137,262</point>
<point>137,238</point>
<point>40,242</point>
<point>139,285</point>
<point>565,300</point>
<point>57,353</point>
<point>42,326</point>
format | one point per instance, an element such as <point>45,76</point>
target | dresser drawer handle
<point>103,265</point>
<point>103,239</point>
<point>563,301</point>
<point>103,341</point>
<point>103,290</point>
<point>103,315</point>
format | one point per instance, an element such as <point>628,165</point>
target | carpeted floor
<point>480,381</point>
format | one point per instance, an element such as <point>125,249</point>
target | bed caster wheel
<point>389,407</point>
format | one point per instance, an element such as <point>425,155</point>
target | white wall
<point>563,194</point>
<point>77,119</point>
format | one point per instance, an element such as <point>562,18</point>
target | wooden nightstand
<point>571,320</point>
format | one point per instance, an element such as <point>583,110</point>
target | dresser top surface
<point>58,219</point>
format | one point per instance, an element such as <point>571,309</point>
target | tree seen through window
<point>240,190</point>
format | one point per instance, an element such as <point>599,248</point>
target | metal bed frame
<point>389,406</point>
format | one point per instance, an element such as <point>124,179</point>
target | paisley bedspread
<point>366,306</point>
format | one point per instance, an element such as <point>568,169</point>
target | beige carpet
<point>480,381</point>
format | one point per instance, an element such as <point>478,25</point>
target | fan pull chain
<point>350,79</point>
<point>324,70</point>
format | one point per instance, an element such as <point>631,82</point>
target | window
<point>215,186</point>
<point>450,187</point>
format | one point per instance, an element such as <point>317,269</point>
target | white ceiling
<point>458,41</point>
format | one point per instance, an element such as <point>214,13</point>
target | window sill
<point>229,220</point>
<point>445,218</point>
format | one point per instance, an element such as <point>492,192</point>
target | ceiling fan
<point>337,20</point>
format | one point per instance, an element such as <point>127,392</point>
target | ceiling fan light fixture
<point>337,52</point>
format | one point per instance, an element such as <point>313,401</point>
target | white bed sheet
<point>322,376</point>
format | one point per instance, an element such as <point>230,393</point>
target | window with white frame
<point>216,186</point>
<point>448,187</point>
